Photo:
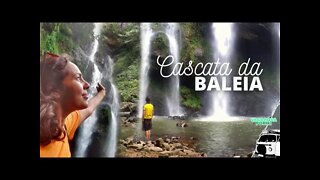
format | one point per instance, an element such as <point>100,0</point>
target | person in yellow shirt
<point>147,118</point>
<point>64,103</point>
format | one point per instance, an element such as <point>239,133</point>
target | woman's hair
<point>52,73</point>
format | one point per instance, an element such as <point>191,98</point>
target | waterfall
<point>276,104</point>
<point>222,47</point>
<point>87,126</point>
<point>145,36</point>
<point>276,34</point>
<point>277,26</point>
<point>173,99</point>
<point>113,102</point>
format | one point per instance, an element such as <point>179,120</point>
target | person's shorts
<point>147,124</point>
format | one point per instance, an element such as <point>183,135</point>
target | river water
<point>216,139</point>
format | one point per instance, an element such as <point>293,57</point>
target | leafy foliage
<point>128,84</point>
<point>56,38</point>
<point>48,39</point>
<point>189,98</point>
<point>195,46</point>
<point>122,40</point>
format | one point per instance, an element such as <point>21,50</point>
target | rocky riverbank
<point>166,147</point>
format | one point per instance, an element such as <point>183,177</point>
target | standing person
<point>147,118</point>
<point>63,104</point>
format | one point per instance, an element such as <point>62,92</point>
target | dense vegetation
<point>65,37</point>
<point>122,42</point>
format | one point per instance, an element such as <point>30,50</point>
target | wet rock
<point>167,140</point>
<point>163,155</point>
<point>159,142</point>
<point>156,149</point>
<point>161,147</point>
<point>135,146</point>
<point>182,124</point>
<point>124,114</point>
<point>166,146</point>
<point>141,142</point>
<point>127,107</point>
<point>166,152</point>
<point>129,140</point>
<point>177,145</point>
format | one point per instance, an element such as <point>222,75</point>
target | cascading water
<point>113,102</point>
<point>223,42</point>
<point>145,34</point>
<point>276,31</point>
<point>173,99</point>
<point>87,126</point>
<point>277,25</point>
<point>275,108</point>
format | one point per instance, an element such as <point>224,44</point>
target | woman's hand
<point>100,88</point>
<point>93,103</point>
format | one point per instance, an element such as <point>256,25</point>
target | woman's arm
<point>93,103</point>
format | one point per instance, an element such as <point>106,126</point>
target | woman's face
<point>75,93</point>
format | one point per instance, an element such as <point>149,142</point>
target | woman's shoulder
<point>72,118</point>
